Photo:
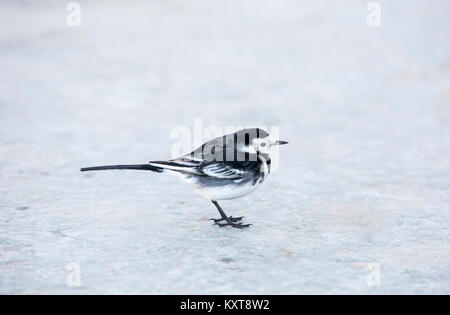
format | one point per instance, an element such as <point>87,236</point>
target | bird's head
<point>256,140</point>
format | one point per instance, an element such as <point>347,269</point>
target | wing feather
<point>195,165</point>
<point>222,170</point>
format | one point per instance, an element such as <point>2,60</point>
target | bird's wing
<point>211,159</point>
<point>222,170</point>
<point>201,167</point>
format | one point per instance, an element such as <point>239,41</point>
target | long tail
<point>142,167</point>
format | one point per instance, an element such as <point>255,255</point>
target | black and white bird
<point>226,167</point>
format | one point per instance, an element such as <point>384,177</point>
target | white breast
<point>264,168</point>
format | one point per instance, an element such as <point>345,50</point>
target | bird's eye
<point>263,144</point>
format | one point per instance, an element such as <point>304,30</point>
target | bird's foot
<point>233,220</point>
<point>232,224</point>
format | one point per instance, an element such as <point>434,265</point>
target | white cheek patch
<point>263,144</point>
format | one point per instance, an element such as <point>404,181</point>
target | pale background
<point>364,182</point>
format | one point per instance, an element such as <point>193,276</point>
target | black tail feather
<point>142,167</point>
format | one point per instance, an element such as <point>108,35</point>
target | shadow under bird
<point>226,167</point>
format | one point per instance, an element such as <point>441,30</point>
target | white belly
<point>226,191</point>
<point>219,192</point>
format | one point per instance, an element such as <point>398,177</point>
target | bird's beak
<point>280,142</point>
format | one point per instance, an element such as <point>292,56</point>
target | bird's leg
<point>223,215</point>
<point>230,220</point>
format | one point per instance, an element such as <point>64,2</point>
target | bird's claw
<point>235,225</point>
<point>231,218</point>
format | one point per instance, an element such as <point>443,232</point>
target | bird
<point>227,167</point>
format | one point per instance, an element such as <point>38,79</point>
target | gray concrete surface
<point>361,200</point>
